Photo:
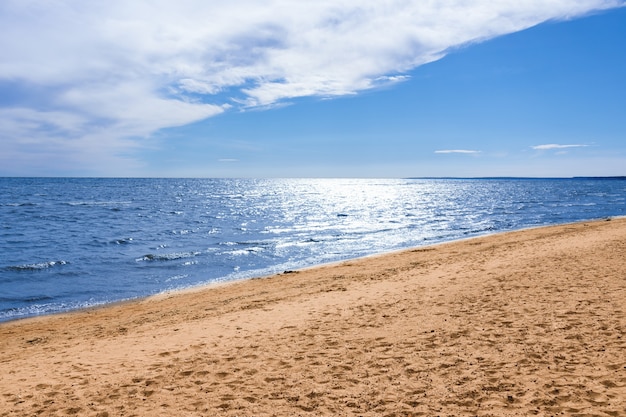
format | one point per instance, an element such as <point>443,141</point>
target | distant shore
<point>519,178</point>
<point>531,322</point>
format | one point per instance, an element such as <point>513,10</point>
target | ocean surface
<point>68,243</point>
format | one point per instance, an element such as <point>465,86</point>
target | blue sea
<point>69,243</point>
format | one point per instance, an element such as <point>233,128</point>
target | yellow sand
<point>522,323</point>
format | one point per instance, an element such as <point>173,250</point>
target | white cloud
<point>134,106</point>
<point>462,151</point>
<point>117,69</point>
<point>550,146</point>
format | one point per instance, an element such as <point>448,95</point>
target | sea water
<point>68,243</point>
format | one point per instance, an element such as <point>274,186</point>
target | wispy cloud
<point>114,72</point>
<point>462,151</point>
<point>551,146</point>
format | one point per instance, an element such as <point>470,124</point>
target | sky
<point>286,88</point>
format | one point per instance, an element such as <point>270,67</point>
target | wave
<point>30,299</point>
<point>27,204</point>
<point>123,241</point>
<point>167,256</point>
<point>38,309</point>
<point>246,251</point>
<point>177,277</point>
<point>96,203</point>
<point>37,266</point>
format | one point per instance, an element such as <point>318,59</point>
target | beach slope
<point>522,323</point>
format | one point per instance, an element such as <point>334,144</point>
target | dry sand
<point>522,323</point>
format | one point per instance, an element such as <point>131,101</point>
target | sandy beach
<point>514,324</point>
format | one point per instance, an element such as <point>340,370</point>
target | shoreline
<point>225,280</point>
<point>521,322</point>
<point>210,285</point>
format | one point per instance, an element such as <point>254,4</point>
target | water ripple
<point>69,243</point>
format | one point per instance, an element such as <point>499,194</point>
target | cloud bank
<point>88,82</point>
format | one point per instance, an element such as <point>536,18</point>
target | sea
<point>71,243</point>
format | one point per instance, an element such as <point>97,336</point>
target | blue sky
<point>282,89</point>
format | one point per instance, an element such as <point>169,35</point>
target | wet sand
<point>515,324</point>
